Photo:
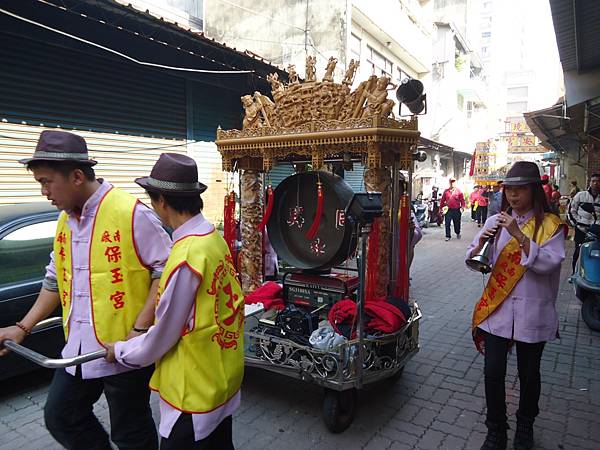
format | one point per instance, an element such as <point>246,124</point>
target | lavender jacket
<point>528,314</point>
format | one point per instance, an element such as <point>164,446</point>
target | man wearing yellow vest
<point>109,253</point>
<point>197,338</point>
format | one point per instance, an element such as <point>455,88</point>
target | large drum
<point>294,209</point>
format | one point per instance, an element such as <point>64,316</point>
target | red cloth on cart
<point>379,316</point>
<point>384,317</point>
<point>269,294</point>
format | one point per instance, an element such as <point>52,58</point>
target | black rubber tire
<point>590,312</point>
<point>339,408</point>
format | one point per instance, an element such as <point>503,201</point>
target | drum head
<point>295,205</point>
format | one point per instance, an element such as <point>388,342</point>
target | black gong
<point>294,208</point>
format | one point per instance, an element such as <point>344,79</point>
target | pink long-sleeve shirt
<point>153,245</point>
<point>174,312</point>
<point>528,314</point>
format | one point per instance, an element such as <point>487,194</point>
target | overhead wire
<point>122,55</point>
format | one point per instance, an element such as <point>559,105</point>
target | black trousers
<point>579,239</point>
<point>528,363</point>
<point>473,213</point>
<point>71,421</point>
<point>453,215</point>
<point>482,212</point>
<point>182,436</point>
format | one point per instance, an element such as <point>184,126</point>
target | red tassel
<point>401,289</point>
<point>312,232</point>
<point>229,225</point>
<point>226,218</point>
<point>265,219</point>
<point>372,260</point>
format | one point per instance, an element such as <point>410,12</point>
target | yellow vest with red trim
<point>206,366</point>
<point>119,282</point>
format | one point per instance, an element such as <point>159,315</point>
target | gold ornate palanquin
<point>316,121</point>
<point>374,140</point>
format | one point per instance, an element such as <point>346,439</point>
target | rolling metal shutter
<point>280,172</point>
<point>121,159</point>
<point>209,163</point>
<point>55,86</point>
<point>355,177</point>
<point>212,108</point>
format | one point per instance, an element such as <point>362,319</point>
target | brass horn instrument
<point>481,261</point>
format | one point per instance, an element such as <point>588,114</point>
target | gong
<point>294,209</point>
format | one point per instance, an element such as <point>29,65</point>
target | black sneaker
<point>496,438</point>
<point>523,437</point>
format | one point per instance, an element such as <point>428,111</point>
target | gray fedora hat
<point>54,145</point>
<point>173,174</point>
<point>522,172</point>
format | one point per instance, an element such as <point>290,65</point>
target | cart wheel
<point>338,409</point>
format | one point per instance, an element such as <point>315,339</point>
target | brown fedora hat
<point>522,172</point>
<point>173,174</point>
<point>56,145</point>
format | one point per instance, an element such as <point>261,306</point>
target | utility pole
<point>306,32</point>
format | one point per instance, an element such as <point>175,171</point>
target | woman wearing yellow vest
<point>104,272</point>
<point>197,338</point>
<point>518,302</point>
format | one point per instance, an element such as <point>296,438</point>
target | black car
<point>26,237</point>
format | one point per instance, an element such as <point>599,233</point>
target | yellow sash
<point>508,270</point>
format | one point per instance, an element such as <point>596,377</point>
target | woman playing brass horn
<point>518,302</point>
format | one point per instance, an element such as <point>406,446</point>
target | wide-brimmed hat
<point>522,172</point>
<point>55,145</point>
<point>173,174</point>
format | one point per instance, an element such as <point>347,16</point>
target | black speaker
<point>410,92</point>
<point>364,207</point>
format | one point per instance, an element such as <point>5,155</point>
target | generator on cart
<point>343,316</point>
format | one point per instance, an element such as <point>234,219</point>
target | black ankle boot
<point>523,435</point>
<point>496,438</point>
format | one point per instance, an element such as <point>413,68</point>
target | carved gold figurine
<point>329,69</point>
<point>276,86</point>
<point>351,72</point>
<point>311,72</point>
<point>377,101</point>
<point>292,74</point>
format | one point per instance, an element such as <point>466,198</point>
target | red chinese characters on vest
<point>61,238</point>
<point>113,256</point>
<point>226,313</point>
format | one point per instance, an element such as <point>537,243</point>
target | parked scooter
<point>435,214</point>
<point>421,213</point>
<point>586,279</point>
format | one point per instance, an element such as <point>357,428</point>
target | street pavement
<point>438,403</point>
